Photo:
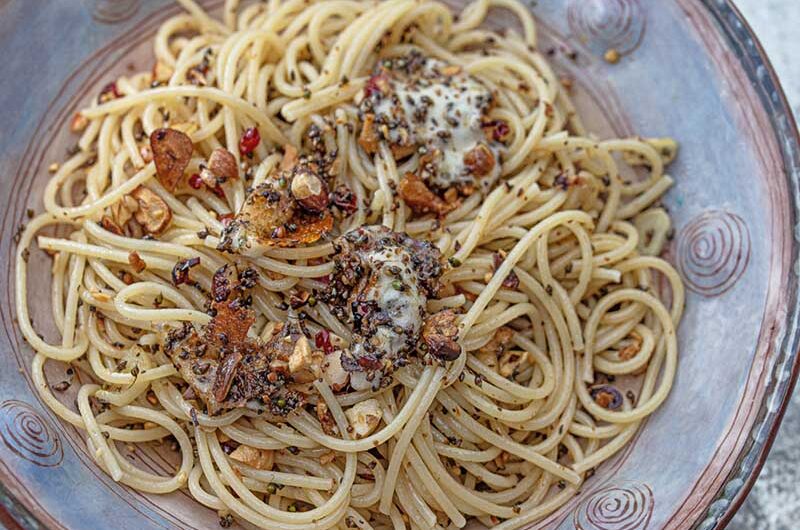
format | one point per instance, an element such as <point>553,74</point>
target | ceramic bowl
<point>690,69</point>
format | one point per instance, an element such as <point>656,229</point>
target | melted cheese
<point>444,114</point>
<point>405,308</point>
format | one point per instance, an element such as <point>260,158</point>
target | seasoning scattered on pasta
<point>359,265</point>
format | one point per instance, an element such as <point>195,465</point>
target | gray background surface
<point>774,503</point>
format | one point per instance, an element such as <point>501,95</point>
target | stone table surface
<point>774,503</point>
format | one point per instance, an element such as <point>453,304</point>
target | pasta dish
<point>360,264</point>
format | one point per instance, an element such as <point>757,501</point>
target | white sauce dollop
<point>443,109</point>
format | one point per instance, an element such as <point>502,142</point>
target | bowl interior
<point>683,74</point>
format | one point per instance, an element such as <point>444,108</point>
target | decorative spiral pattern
<point>29,435</point>
<point>113,11</point>
<point>625,507</point>
<point>713,252</point>
<point>604,25</point>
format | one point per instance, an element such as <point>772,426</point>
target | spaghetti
<point>224,209</point>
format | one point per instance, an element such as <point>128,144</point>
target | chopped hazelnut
<point>310,191</point>
<point>153,213</point>
<point>333,373</point>
<point>305,363</point>
<point>136,261</point>
<point>612,56</point>
<point>257,458</point>
<point>161,72</point>
<point>78,123</point>
<point>480,160</point>
<point>222,164</point>
<point>364,417</point>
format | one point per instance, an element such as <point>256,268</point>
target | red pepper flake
<point>323,340</point>
<point>501,131</point>
<point>249,141</point>
<point>226,218</point>
<point>109,92</point>
<point>376,84</point>
<point>369,362</point>
<point>218,191</point>
<point>180,272</point>
<point>196,181</point>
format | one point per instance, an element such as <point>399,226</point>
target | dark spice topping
<point>606,396</point>
<point>180,272</point>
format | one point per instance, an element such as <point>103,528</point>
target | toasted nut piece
<point>326,419</point>
<point>480,160</point>
<point>100,296</point>
<point>439,332</point>
<point>257,458</point>
<point>122,211</point>
<point>310,191</point>
<point>368,139</point>
<point>451,70</point>
<point>161,72</point>
<point>333,373</point>
<point>364,417</point>
<point>78,123</point>
<point>629,351</point>
<point>501,460</point>
<point>136,261</point>
<point>305,363</point>
<point>108,224</point>
<point>498,344</point>
<point>153,213</point>
<point>172,151</point>
<point>130,203</point>
<point>222,164</point>
<point>416,194</point>
<point>196,76</point>
<point>134,229</point>
<point>488,358</point>
<point>400,151</point>
<point>289,159</point>
<point>511,361</point>
<point>327,458</point>
<point>612,56</point>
